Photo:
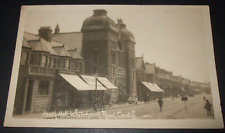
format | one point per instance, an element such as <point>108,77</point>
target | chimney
<point>46,33</point>
<point>100,12</point>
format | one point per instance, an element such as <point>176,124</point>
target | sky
<point>172,37</point>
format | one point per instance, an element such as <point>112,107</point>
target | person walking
<point>160,102</point>
<point>148,98</point>
<point>136,100</point>
<point>208,107</point>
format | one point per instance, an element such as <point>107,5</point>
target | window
<point>76,64</point>
<point>67,65</point>
<point>54,62</point>
<point>62,63</point>
<point>24,58</point>
<point>132,62</point>
<point>113,72</point>
<point>120,58</point>
<point>95,57</point>
<point>44,60</point>
<point>35,59</point>
<point>43,88</point>
<point>113,57</point>
<point>81,66</point>
<point>50,62</point>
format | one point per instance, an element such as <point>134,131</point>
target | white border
<point>133,123</point>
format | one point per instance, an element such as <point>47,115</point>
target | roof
<point>127,35</point>
<point>62,51</point>
<point>62,44</point>
<point>150,68</point>
<point>75,54</point>
<point>25,43</point>
<point>37,45</point>
<point>72,40</point>
<point>99,20</point>
<point>30,36</point>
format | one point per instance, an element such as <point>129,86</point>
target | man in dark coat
<point>160,102</point>
<point>208,107</point>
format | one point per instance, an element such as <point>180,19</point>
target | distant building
<point>141,77</point>
<point>151,73</point>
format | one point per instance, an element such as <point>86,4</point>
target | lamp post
<point>96,92</point>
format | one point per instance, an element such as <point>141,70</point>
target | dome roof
<point>99,20</point>
<point>125,34</point>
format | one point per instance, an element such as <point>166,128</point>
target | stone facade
<point>108,50</point>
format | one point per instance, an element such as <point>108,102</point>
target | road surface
<point>172,109</point>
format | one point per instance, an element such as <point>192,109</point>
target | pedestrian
<point>148,98</point>
<point>160,102</point>
<point>109,100</point>
<point>136,100</point>
<point>130,100</point>
<point>145,98</point>
<point>208,107</point>
<point>204,98</point>
<point>103,104</point>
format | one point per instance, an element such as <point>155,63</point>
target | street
<point>172,109</point>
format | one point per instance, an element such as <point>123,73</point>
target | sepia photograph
<point>118,66</point>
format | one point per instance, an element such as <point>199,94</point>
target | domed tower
<point>127,42</point>
<point>99,45</point>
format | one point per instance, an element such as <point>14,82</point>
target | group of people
<point>100,103</point>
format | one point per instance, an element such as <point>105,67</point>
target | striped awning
<point>106,83</point>
<point>91,81</point>
<point>76,82</point>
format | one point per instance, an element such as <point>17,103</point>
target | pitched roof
<point>71,39</point>
<point>75,54</point>
<point>30,36</point>
<point>62,51</point>
<point>49,46</point>
<point>150,68</point>
<point>37,45</point>
<point>25,43</point>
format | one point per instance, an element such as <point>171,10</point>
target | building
<point>151,73</point>
<point>140,74</point>
<point>53,65</point>
<point>108,50</point>
<point>42,59</point>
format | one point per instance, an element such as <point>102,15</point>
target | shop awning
<point>76,82</point>
<point>150,86</point>
<point>91,81</point>
<point>106,83</point>
<point>157,87</point>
